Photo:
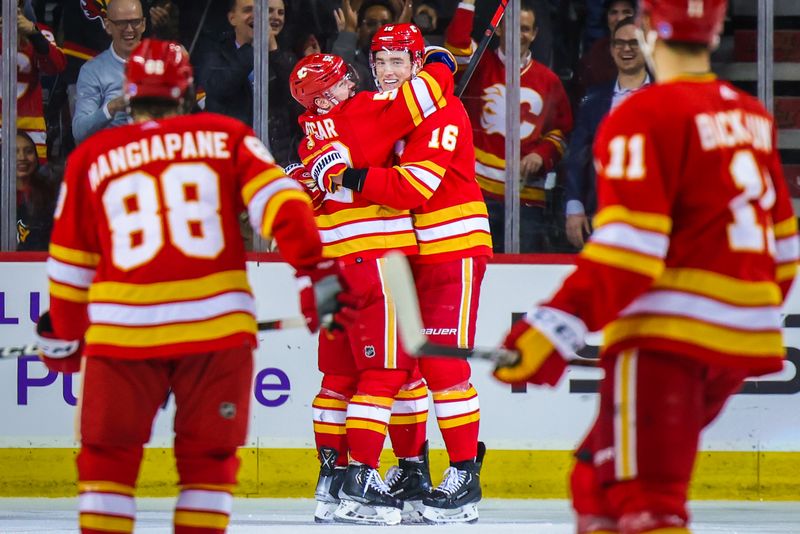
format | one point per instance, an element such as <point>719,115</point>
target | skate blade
<point>362,514</point>
<point>412,512</point>
<point>438,516</point>
<point>323,513</point>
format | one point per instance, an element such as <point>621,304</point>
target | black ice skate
<point>328,485</point>
<point>365,498</point>
<point>410,482</point>
<point>455,499</point>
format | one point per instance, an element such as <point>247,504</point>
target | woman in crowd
<point>36,197</point>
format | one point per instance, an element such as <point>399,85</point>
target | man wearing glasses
<point>100,102</point>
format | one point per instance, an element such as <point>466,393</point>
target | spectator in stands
<point>100,102</point>
<point>579,182</point>
<point>164,18</point>
<point>356,31</point>
<point>597,66</point>
<point>37,55</point>
<point>228,75</point>
<point>36,197</point>
<point>546,119</point>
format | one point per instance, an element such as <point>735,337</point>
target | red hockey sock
<point>458,414</point>
<point>203,509</point>
<point>330,413</point>
<point>106,486</point>
<point>408,424</point>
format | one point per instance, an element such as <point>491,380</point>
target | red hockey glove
<point>545,338</point>
<point>58,355</point>
<point>438,54</point>
<point>349,310</point>
<point>319,288</point>
<point>298,172</point>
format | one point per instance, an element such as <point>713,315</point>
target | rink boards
<point>749,453</point>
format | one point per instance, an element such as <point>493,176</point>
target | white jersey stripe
<point>331,417</point>
<point>424,175</point>
<point>373,413</point>
<point>705,309</point>
<point>361,228</point>
<point>453,229</point>
<point>107,503</point>
<point>174,312</point>
<point>212,501</point>
<point>625,236</point>
<point>423,95</point>
<point>454,408</point>
<point>259,201</point>
<point>69,274</point>
<point>787,249</point>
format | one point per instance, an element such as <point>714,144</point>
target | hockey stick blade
<point>409,321</point>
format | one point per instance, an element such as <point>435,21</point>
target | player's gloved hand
<point>545,338</point>
<point>300,174</point>
<point>327,164</point>
<point>58,355</point>
<point>319,288</point>
<point>349,312</point>
<point>438,54</point>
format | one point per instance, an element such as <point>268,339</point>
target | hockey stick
<point>476,56</point>
<point>14,352</point>
<point>409,321</point>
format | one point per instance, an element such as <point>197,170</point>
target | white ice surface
<point>294,516</point>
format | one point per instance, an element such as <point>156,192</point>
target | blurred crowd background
<point>579,59</point>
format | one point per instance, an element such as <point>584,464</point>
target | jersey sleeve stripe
<point>678,304</point>
<point>468,209</point>
<point>378,227</point>
<point>75,257</point>
<point>159,314</point>
<point>786,228</point>
<point>173,291</point>
<point>429,165</point>
<point>124,336</point>
<point>254,185</point>
<point>373,211</point>
<point>786,272</point>
<point>787,249</point>
<point>69,274</point>
<point>623,259</point>
<point>454,244</point>
<point>69,293</point>
<point>256,208</point>
<point>624,236</point>
<point>274,204</point>
<point>418,180</point>
<point>720,287</point>
<point>457,228</point>
<point>711,337</point>
<point>373,242</point>
<point>411,104</point>
<point>655,222</point>
<point>433,88</point>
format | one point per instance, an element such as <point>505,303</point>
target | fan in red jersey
<point>694,250</point>
<point>368,381</point>
<point>149,294</point>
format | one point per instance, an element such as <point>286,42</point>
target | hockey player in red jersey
<point>148,291</point>
<point>545,115</point>
<point>694,250</point>
<point>367,380</point>
<point>435,178</point>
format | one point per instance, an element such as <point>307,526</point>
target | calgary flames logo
<point>493,114</point>
<point>94,9</point>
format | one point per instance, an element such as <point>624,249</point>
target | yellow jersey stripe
<point>72,294</point>
<point>694,332</point>
<point>436,90</point>
<point>408,419</point>
<point>459,242</point>
<point>623,259</point>
<point>228,488</point>
<point>468,209</point>
<point>219,327</point>
<point>654,222</point>
<point>361,244</point>
<point>274,205</point>
<point>357,214</point>
<point>441,396</point>
<point>327,428</point>
<point>411,103</point>
<point>720,287</point>
<point>167,292</point>
<point>371,400</point>
<point>785,228</point>
<point>74,256</point>
<point>329,403</point>
<point>251,188</point>
<point>436,169</point>
<point>412,393</point>
<point>360,424</point>
<point>416,184</point>
<point>786,272</point>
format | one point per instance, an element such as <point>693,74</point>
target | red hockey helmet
<point>688,21</point>
<point>158,69</point>
<point>404,37</point>
<point>315,75</point>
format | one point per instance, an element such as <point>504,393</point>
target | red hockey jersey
<point>435,178</point>
<point>146,257</point>
<point>31,66</point>
<point>545,113</point>
<point>365,128</point>
<point>695,242</point>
